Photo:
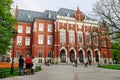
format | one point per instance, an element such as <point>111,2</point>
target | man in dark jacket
<point>21,65</point>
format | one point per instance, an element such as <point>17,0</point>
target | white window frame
<point>28,30</point>
<point>20,29</point>
<point>62,36</point>
<point>19,40</point>
<point>27,41</point>
<point>72,37</point>
<point>49,40</point>
<point>41,27</point>
<point>40,39</point>
<point>49,27</point>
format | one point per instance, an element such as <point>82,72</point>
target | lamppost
<point>15,34</point>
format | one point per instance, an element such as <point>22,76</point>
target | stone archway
<point>72,55</point>
<point>81,56</point>
<point>63,56</point>
<point>89,56</point>
<point>96,56</point>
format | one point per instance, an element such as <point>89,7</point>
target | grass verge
<point>115,67</point>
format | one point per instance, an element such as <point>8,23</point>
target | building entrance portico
<point>63,56</point>
<point>72,56</point>
<point>97,56</point>
<point>89,56</point>
<point>81,56</point>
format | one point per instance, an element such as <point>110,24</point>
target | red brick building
<point>61,37</point>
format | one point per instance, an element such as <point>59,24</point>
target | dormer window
<point>68,14</point>
<point>49,15</point>
<point>29,16</point>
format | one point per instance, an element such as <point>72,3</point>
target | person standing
<point>28,62</point>
<point>21,65</point>
<point>33,65</point>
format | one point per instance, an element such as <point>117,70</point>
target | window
<point>49,15</point>
<point>95,39</point>
<point>68,15</point>
<point>49,39</point>
<point>88,38</point>
<point>27,41</point>
<point>71,36</point>
<point>27,53</point>
<point>50,55</point>
<point>39,60</point>
<point>28,29</point>
<point>19,40</point>
<point>40,39</point>
<point>20,29</point>
<point>18,54</point>
<point>49,28</point>
<point>80,37</point>
<point>40,54</point>
<point>103,43</point>
<point>41,27</point>
<point>62,36</point>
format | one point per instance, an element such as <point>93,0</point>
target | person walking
<point>33,65</point>
<point>76,63</point>
<point>86,62</point>
<point>21,65</point>
<point>28,62</point>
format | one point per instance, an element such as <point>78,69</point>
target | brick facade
<point>63,52</point>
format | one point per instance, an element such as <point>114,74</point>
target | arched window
<point>103,43</point>
<point>71,36</point>
<point>88,40</point>
<point>95,38</point>
<point>62,36</point>
<point>80,37</point>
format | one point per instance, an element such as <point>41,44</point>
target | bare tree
<point>109,10</point>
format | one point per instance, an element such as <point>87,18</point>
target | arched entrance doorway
<point>72,55</point>
<point>89,56</point>
<point>62,56</point>
<point>81,57</point>
<point>96,56</point>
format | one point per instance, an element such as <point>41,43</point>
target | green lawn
<point>16,73</point>
<point>115,67</point>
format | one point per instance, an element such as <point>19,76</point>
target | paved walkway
<point>68,72</point>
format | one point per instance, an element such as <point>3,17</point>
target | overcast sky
<point>55,5</point>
